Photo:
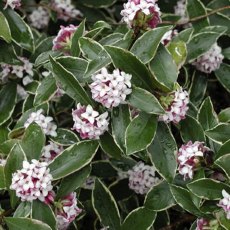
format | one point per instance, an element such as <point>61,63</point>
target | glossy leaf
<point>105,206</point>
<point>223,162</point>
<point>8,101</point>
<point>145,47</point>
<point>162,152</point>
<point>222,74</point>
<point>140,133</point>
<point>5,30</point>
<point>159,197</point>
<point>73,159</point>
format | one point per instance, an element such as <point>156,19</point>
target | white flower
<point>181,10</point>
<point>65,9</point>
<point>210,61</point>
<point>39,18</point>
<point>142,177</point>
<point>168,36</point>
<point>21,92</point>
<point>32,182</point>
<point>176,106</point>
<point>50,151</point>
<point>88,122</point>
<point>110,89</point>
<point>189,156</point>
<point>21,71</point>
<point>225,203</point>
<point>48,127</point>
<point>2,161</point>
<point>134,8</point>
<point>67,211</point>
<point>13,3</point>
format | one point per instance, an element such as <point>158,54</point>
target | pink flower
<point>50,151</point>
<point>63,40</point>
<point>168,36</point>
<point>141,14</point>
<point>67,211</point>
<point>176,106</point>
<point>65,9</point>
<point>189,156</point>
<point>225,203</point>
<point>201,224</point>
<point>89,123</point>
<point>110,89</point>
<point>210,61</point>
<point>13,3</point>
<point>142,177</point>
<point>33,182</point>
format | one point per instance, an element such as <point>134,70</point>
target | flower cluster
<point>189,156</point>
<point>65,9</point>
<point>33,182</point>
<point>24,71</point>
<point>88,122</point>
<point>176,106</point>
<point>209,61</point>
<point>168,36</point>
<point>142,177</point>
<point>50,151</point>
<point>180,10</point>
<point>13,4</point>
<point>63,40</point>
<point>201,224</point>
<point>141,14</point>
<point>39,18</point>
<point>225,203</point>
<point>110,89</point>
<point>48,127</point>
<point>67,211</point>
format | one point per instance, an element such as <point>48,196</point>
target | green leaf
<point>105,206</point>
<point>98,3</point>
<point>130,64</point>
<point>220,19</point>
<point>73,159</point>
<point>139,219</point>
<point>7,54</point>
<point>44,213</point>
<point>208,189</point>
<point>200,44</point>
<point>25,224</point>
<point>144,101</point>
<point>24,209</point>
<point>226,53</point>
<point>178,50</point>
<point>20,31</point>
<point>3,134</point>
<point>159,198</point>
<point>184,35</point>
<point>103,169</point>
<point>45,90</point>
<point>198,88</point>
<point>120,121</point>
<point>222,74</point>
<point>222,219</point>
<point>145,47</point>
<point>196,8</point>
<point>43,58</point>
<point>73,182</point>
<point>206,115</point>
<point>5,30</point>
<point>13,163</point>
<point>220,133</point>
<point>162,152</point>
<point>224,149</point>
<point>183,198</point>
<point>109,145</point>
<point>75,49</point>
<point>224,115</point>
<point>65,137</point>
<point>77,66</point>
<point>2,178</point>
<point>223,162</point>
<point>140,133</point>
<point>69,83</point>
<point>191,130</point>
<point>33,142</point>
<point>216,29</point>
<point>164,69</point>
<point>8,96</point>
<point>111,39</point>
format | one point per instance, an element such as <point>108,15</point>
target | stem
<point>198,17</point>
